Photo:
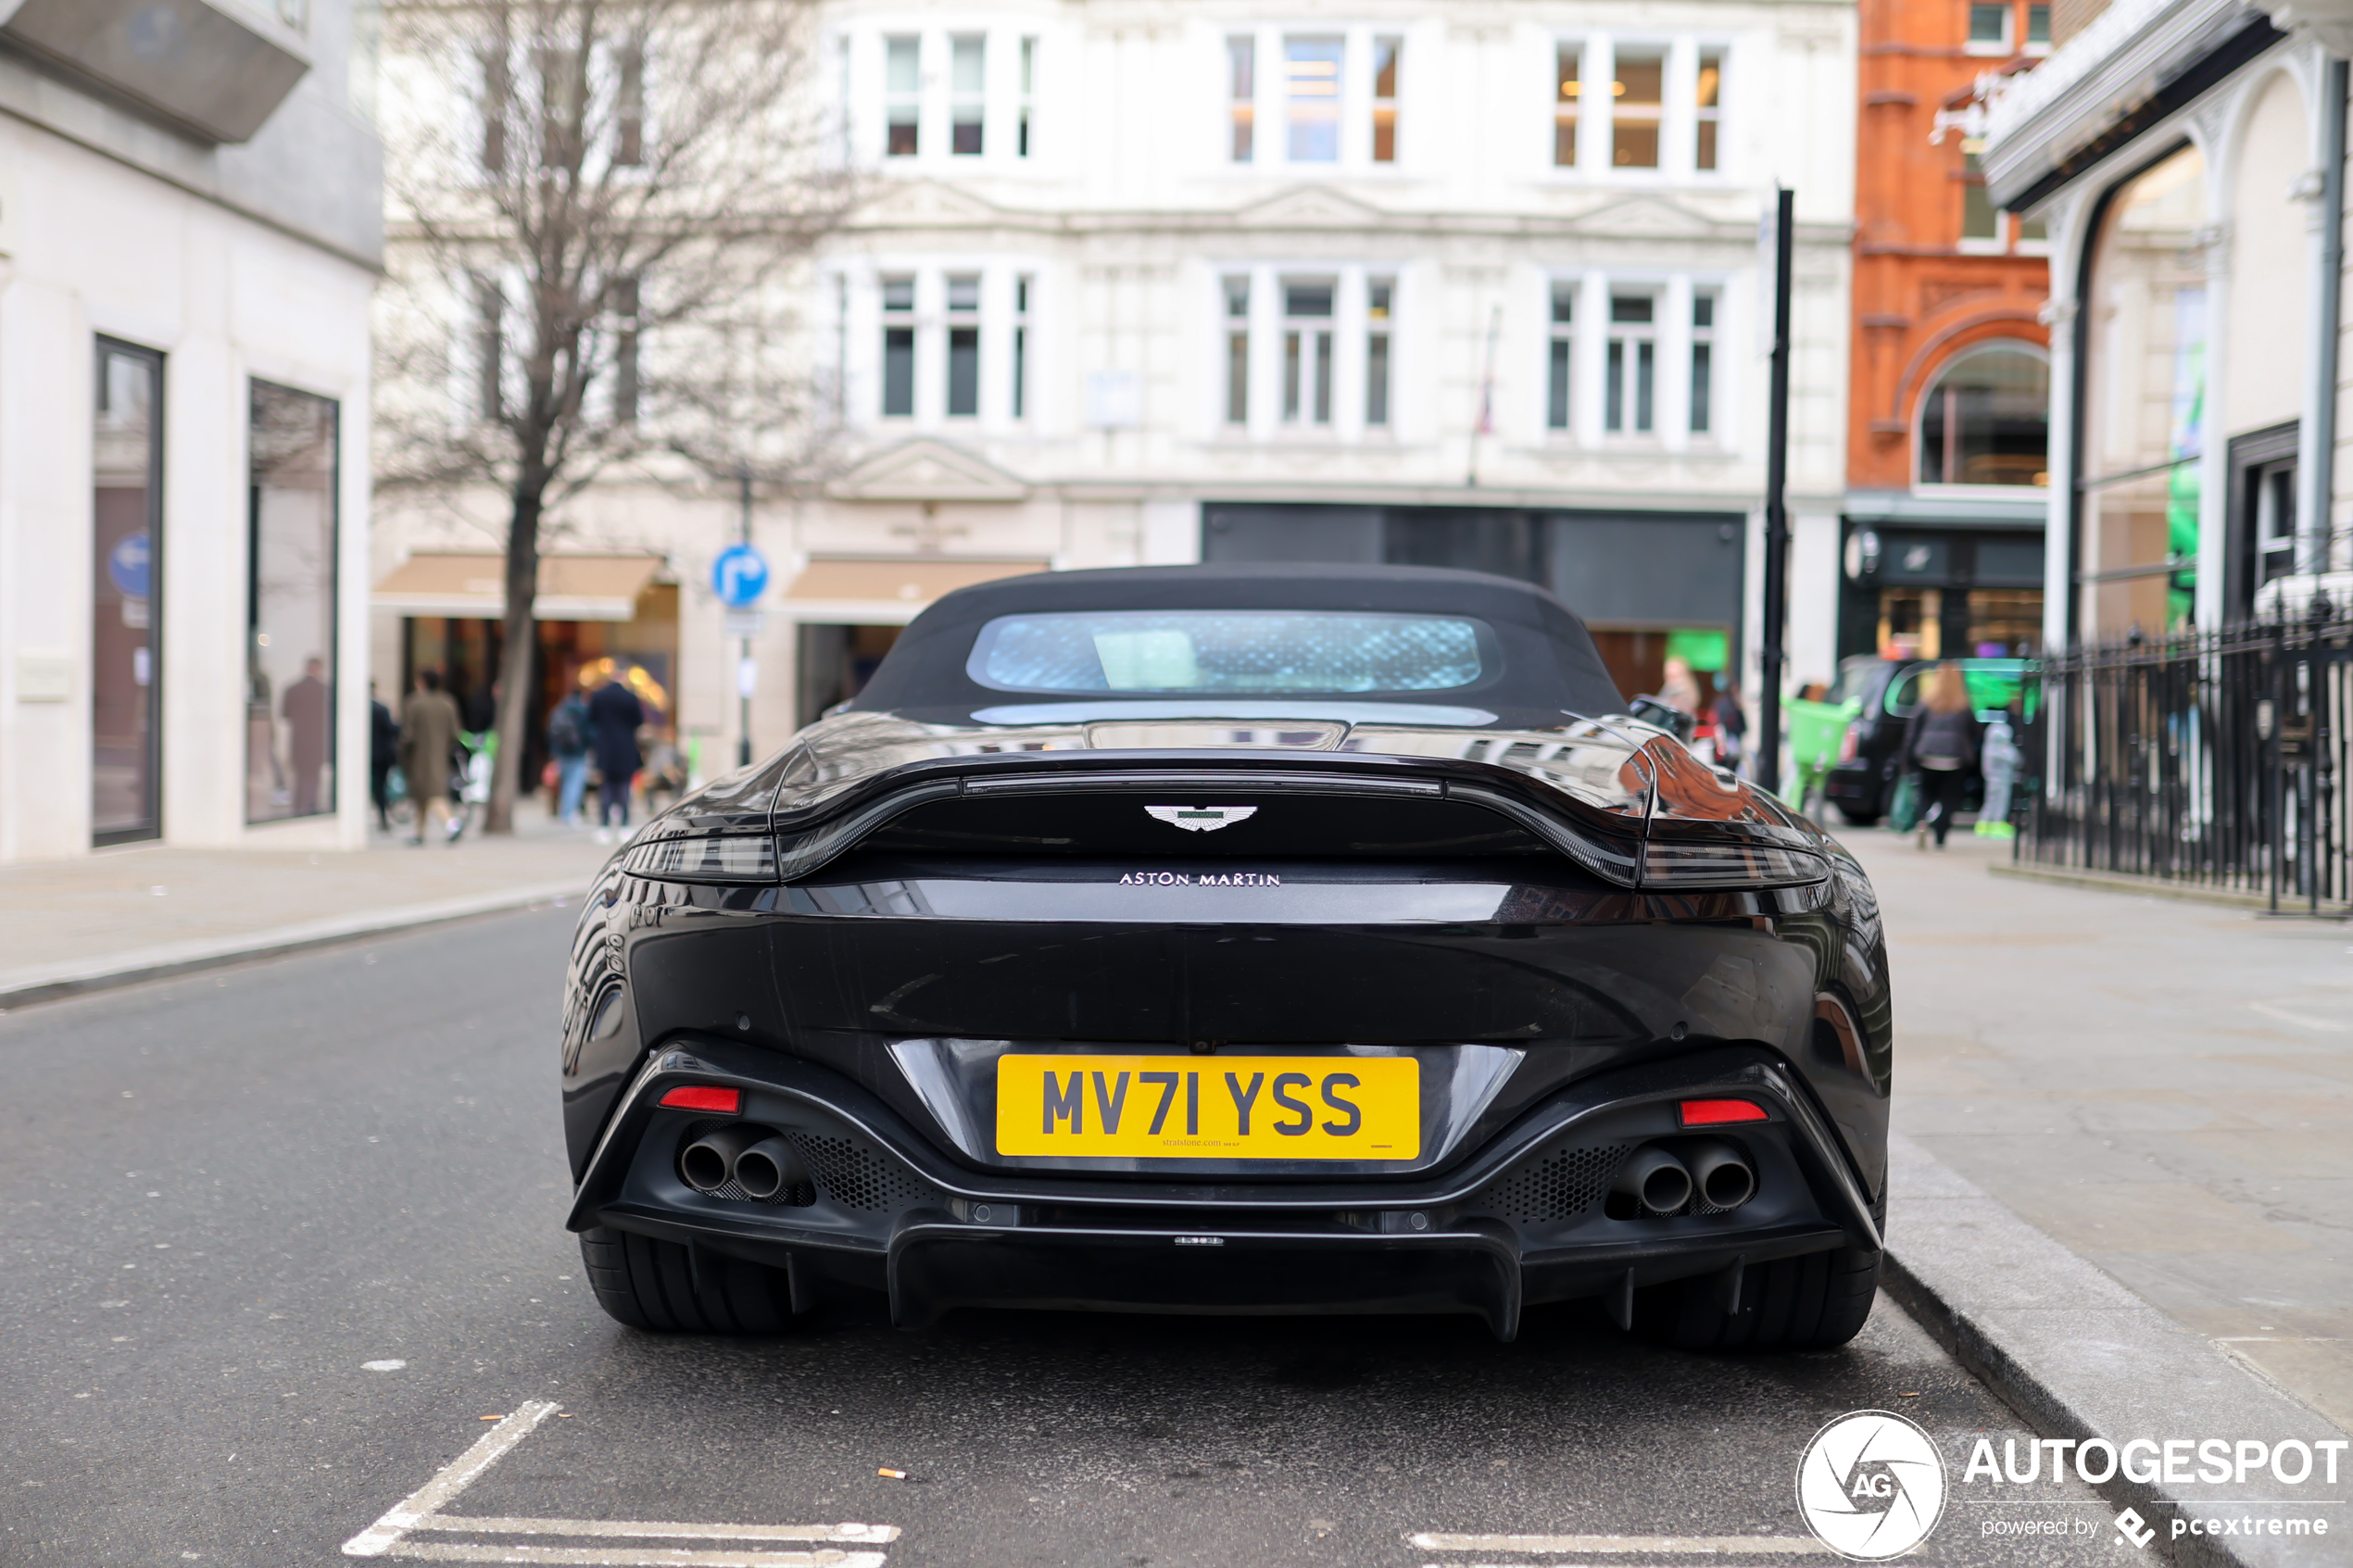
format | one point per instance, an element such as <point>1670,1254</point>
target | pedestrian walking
<point>568,743</point>
<point>1678,687</point>
<point>384,755</point>
<point>428,735</point>
<point>614,714</point>
<point>1731,726</point>
<point>309,710</point>
<point>1941,745</point>
<point>2002,759</point>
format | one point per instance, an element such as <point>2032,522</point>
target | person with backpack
<point>568,743</point>
<point>1940,743</point>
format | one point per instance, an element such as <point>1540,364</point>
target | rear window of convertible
<point>1225,651</point>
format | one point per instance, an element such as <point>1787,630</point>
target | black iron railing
<point>2216,758</point>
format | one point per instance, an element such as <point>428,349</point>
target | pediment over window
<point>1646,217</point>
<point>925,201</point>
<point>1311,206</point>
<point>927,470</point>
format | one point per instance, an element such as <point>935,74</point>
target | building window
<point>1560,354</point>
<point>1242,93</point>
<point>1385,53</point>
<point>1237,351</point>
<point>1307,353</point>
<point>1028,97</point>
<point>902,96</point>
<point>1988,28</point>
<point>2038,29</point>
<point>1021,347</point>
<point>290,607</point>
<point>964,346</point>
<point>1703,363</point>
<point>1709,108</point>
<point>968,94</point>
<point>899,348</point>
<point>1986,419</point>
<point>562,116</point>
<point>1638,99</point>
<point>629,107</point>
<point>126,680</point>
<point>1633,351</point>
<point>498,91</point>
<point>1980,224</point>
<point>1566,89</point>
<point>1310,68</point>
<point>626,305</point>
<point>1378,292</point>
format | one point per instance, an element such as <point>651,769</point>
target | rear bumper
<point>1519,1220</point>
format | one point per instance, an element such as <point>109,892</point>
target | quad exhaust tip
<point>1662,1181</point>
<point>756,1158</point>
<point>1722,1175</point>
<point>1655,1179</point>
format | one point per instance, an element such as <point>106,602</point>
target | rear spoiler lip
<point>1588,835</point>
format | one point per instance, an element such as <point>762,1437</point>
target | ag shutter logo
<point>1202,818</point>
<point>1871,1485</point>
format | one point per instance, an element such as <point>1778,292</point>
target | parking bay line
<point>420,1511</point>
<point>1684,1545</point>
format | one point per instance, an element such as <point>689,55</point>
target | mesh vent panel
<point>800,1194</point>
<point>1557,1184</point>
<point>856,1176</point>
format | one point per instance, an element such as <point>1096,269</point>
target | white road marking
<point>875,1535</point>
<point>655,1557</point>
<point>2327,1027</point>
<point>453,1478</point>
<point>420,1511</point>
<point>608,1557</point>
<point>1694,1545</point>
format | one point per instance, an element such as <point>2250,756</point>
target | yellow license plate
<point>1210,1107</point>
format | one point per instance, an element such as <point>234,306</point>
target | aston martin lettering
<point>1199,879</point>
<point>1202,818</point>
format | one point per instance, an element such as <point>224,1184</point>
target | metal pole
<point>743,697</point>
<point>2313,546</point>
<point>1767,769</point>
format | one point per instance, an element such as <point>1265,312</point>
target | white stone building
<point>1149,283</point>
<point>190,222</point>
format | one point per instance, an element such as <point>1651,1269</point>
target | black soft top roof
<point>1550,664</point>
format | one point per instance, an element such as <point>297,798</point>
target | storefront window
<point>126,680</point>
<point>2145,372</point>
<point>289,608</point>
<point>1986,419</point>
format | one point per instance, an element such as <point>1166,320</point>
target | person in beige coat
<point>428,734</point>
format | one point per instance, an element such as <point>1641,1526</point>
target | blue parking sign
<point>739,576</point>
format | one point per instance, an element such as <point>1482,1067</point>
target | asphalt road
<point>225,1196</point>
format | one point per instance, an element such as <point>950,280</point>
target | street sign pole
<point>743,686</point>
<point>1766,767</point>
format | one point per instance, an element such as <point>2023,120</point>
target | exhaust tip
<point>769,1167</point>
<point>1724,1176</point>
<point>707,1162</point>
<point>1655,1179</point>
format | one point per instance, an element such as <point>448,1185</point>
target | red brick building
<point>1947,471</point>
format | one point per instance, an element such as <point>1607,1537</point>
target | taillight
<point>1716,1112</point>
<point>704,1096</point>
<point>1850,744</point>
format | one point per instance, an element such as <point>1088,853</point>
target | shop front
<point>1928,580</point>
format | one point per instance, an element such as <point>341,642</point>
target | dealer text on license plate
<point>1210,1107</point>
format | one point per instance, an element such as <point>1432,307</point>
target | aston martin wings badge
<point>1202,819</point>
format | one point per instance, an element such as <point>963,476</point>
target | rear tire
<point>1855,817</point>
<point>1816,1302</point>
<point>656,1287</point>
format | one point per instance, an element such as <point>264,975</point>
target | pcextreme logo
<point>1871,1485</point>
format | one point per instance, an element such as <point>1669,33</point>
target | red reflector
<point>1716,1112</point>
<point>702,1096</point>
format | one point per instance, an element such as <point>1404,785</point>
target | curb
<point>2151,887</point>
<point>2079,1356</point>
<point>30,987</point>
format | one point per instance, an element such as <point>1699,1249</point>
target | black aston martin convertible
<point>1234,939</point>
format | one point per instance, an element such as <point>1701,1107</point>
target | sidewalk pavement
<point>2165,1089</point>
<point>143,912</point>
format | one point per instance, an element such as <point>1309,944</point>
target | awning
<point>908,580</point>
<point>473,586</point>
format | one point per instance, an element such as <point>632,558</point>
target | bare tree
<point>595,209</point>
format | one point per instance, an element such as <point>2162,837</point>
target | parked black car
<point>1861,783</point>
<point>1234,939</point>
